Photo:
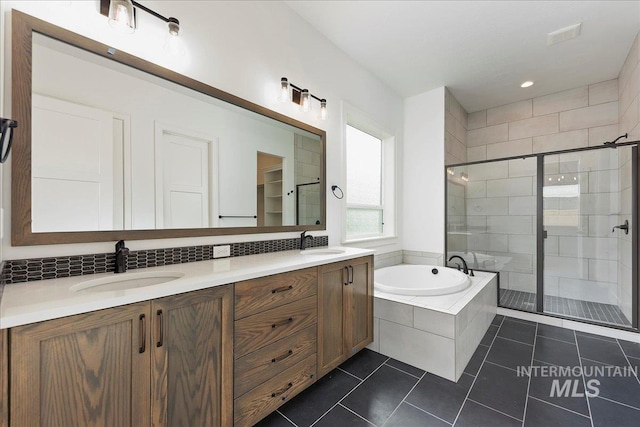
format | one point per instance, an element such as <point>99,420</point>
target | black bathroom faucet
<point>121,257</point>
<point>465,269</point>
<point>303,240</point>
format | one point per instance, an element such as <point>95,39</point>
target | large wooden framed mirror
<point>112,147</point>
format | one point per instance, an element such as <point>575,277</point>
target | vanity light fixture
<point>526,84</point>
<point>300,96</point>
<point>122,16</point>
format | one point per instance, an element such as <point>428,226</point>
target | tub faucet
<point>121,257</point>
<point>465,269</point>
<point>303,240</point>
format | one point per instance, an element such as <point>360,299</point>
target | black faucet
<point>121,257</point>
<point>465,269</point>
<point>303,240</point>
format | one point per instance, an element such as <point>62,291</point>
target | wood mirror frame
<point>21,231</point>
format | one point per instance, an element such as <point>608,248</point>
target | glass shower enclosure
<point>559,228</point>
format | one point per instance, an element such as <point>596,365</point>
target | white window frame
<point>355,118</point>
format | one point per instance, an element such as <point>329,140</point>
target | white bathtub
<point>437,333</point>
<point>419,280</point>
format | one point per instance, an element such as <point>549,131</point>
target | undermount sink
<point>322,251</point>
<point>124,281</point>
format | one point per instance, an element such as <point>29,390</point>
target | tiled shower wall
<point>455,135</point>
<point>307,170</point>
<point>629,118</point>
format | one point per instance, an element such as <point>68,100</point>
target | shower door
<point>588,200</point>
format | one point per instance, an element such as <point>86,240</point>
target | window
<point>370,183</point>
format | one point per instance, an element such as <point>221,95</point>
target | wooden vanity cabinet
<point>345,311</point>
<point>168,362</point>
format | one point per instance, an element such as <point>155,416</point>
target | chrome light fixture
<point>300,96</point>
<point>122,17</point>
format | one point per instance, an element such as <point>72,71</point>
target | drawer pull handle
<point>282,289</point>
<point>345,275</point>
<point>281,358</point>
<point>282,390</point>
<point>161,332</point>
<point>284,322</point>
<point>143,333</point>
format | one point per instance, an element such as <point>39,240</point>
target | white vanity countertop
<point>30,302</point>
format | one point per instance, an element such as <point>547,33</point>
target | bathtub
<point>437,333</point>
<point>405,279</point>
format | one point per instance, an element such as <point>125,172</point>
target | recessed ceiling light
<point>528,83</point>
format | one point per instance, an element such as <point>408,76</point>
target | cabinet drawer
<point>254,296</point>
<point>266,398</point>
<point>257,367</point>
<point>259,330</point>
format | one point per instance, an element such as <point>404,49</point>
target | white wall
<point>242,48</point>
<point>423,172</point>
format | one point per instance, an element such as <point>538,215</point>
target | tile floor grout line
<point>426,412</point>
<point>286,418</point>
<point>512,340</point>
<point>556,339</point>
<point>349,373</point>
<point>495,410</point>
<point>591,336</point>
<point>628,361</point>
<point>403,399</point>
<point>584,380</point>
<point>502,366</point>
<point>404,372</point>
<point>558,406</point>
<point>526,399</point>
<point>350,391</point>
<point>619,403</point>
<point>455,420</point>
<point>356,414</point>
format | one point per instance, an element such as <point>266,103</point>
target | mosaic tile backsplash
<point>26,270</point>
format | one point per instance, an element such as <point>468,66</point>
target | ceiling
<point>480,50</point>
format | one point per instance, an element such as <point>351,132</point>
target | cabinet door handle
<point>345,275</point>
<point>351,274</point>
<point>161,331</point>
<point>282,357</point>
<point>282,289</point>
<point>282,323</point>
<point>281,390</point>
<point>143,333</point>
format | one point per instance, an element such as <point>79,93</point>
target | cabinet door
<point>332,279</point>
<point>359,305</point>
<point>192,358</point>
<point>87,369</point>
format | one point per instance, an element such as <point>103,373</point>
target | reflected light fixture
<point>526,84</point>
<point>464,177</point>
<point>122,16</point>
<point>300,96</point>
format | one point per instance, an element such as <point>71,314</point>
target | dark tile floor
<point>605,313</point>
<point>373,390</point>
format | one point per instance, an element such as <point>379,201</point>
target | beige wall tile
<point>450,159</point>
<point>561,141</point>
<point>600,93</point>
<point>509,148</point>
<point>475,154</point>
<point>583,118</point>
<point>543,125</point>
<point>455,147</point>
<point>629,118</point>
<point>630,91</point>
<point>601,134</point>
<point>629,65</point>
<point>477,120</point>
<point>561,101</point>
<point>510,187</point>
<point>510,112</point>
<point>488,135</point>
<point>460,132</point>
<point>449,123</point>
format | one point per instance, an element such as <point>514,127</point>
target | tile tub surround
<point>26,270</point>
<point>371,389</point>
<point>41,300</point>
<point>436,333</point>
